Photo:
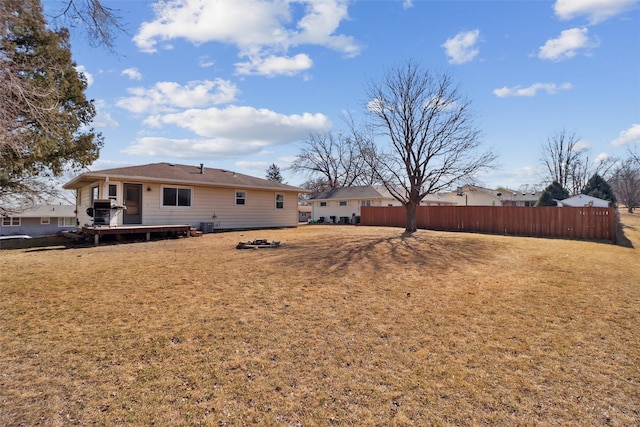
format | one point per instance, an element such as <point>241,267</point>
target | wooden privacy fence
<point>587,223</point>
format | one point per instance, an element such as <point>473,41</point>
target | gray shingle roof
<point>54,211</point>
<point>181,174</point>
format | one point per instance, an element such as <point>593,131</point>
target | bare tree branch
<point>430,140</point>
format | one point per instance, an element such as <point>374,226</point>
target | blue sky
<point>238,84</point>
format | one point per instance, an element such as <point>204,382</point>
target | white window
<point>66,222</point>
<point>323,203</point>
<point>11,221</point>
<point>343,203</point>
<point>45,220</point>
<point>94,194</point>
<point>279,201</point>
<point>175,196</point>
<point>365,203</point>
<point>241,198</point>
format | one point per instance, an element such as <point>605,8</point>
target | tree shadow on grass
<point>423,250</point>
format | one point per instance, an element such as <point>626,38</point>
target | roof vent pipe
<point>201,168</point>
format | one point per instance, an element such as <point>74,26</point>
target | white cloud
<point>270,30</point>
<point>82,70</point>
<point>595,10</point>
<point>132,73</point>
<point>103,118</point>
<point>228,132</point>
<point>205,62</point>
<point>262,126</point>
<point>462,48</point>
<point>255,167</point>
<point>407,4</point>
<point>167,96</point>
<point>628,136</point>
<point>550,88</point>
<point>567,44</point>
<point>272,66</point>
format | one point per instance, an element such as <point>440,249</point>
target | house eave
<point>88,178</point>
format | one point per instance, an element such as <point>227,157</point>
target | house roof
<point>55,211</point>
<point>580,200</point>
<point>351,193</point>
<point>172,173</point>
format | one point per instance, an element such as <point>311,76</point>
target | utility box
<point>206,227</point>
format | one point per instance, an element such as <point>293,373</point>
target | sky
<point>241,84</point>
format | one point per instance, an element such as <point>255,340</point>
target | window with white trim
<point>66,222</point>
<point>94,194</point>
<point>45,220</point>
<point>11,221</point>
<point>279,201</point>
<point>323,203</point>
<point>344,203</point>
<point>365,203</point>
<point>241,198</point>
<point>176,197</point>
<point>113,191</point>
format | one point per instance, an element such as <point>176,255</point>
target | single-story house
<point>473,195</point>
<point>342,204</point>
<point>304,213</point>
<point>519,198</point>
<point>172,194</point>
<point>41,220</point>
<point>581,200</point>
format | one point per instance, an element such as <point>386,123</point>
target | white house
<point>168,194</point>
<point>581,200</point>
<point>342,204</point>
<point>473,195</point>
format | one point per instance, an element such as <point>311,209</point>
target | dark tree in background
<point>429,141</point>
<point>553,192</point>
<point>598,187</point>
<point>274,174</point>
<point>45,117</point>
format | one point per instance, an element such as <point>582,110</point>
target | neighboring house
<point>40,221</point>
<point>342,204</point>
<point>514,198</point>
<point>473,195</point>
<point>581,200</point>
<point>172,194</point>
<point>304,213</point>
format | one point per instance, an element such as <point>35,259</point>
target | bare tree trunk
<point>412,223</point>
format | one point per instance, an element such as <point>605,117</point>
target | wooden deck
<point>98,231</point>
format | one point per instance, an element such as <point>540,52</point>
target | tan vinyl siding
<point>208,204</point>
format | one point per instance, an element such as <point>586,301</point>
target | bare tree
<point>565,160</point>
<point>335,158</point>
<point>625,183</point>
<point>430,142</point>
<point>99,22</point>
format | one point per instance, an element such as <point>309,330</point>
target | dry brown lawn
<point>339,326</point>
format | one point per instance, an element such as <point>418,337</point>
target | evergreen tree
<point>553,192</point>
<point>273,173</point>
<point>44,114</point>
<point>598,187</point>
